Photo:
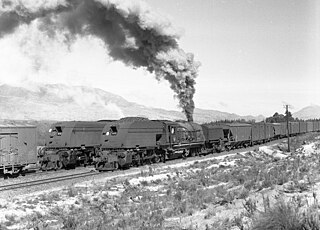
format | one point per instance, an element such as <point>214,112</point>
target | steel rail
<point>45,181</point>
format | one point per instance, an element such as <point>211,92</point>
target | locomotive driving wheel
<point>59,165</point>
<point>44,165</point>
<point>99,166</point>
<point>185,153</point>
<point>156,158</point>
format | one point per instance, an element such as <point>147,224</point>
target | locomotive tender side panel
<point>212,133</point>
<point>74,134</point>
<point>128,135</point>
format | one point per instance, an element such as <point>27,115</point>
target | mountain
<point>61,102</point>
<point>309,112</point>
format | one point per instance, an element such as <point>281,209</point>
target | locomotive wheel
<point>59,165</point>
<point>185,153</point>
<point>137,160</point>
<point>44,166</point>
<point>99,166</point>
<point>156,159</point>
<point>116,165</point>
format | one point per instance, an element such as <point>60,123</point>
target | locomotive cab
<point>187,137</point>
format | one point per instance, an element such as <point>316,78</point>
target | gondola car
<point>278,130</point>
<point>302,127</point>
<point>258,133</point>
<point>294,128</point>
<point>18,148</point>
<point>316,126</point>
<point>70,143</point>
<point>269,132</point>
<point>237,135</point>
<point>309,126</point>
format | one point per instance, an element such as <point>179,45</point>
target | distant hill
<point>61,102</point>
<point>309,112</point>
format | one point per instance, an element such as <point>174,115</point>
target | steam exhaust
<point>131,31</point>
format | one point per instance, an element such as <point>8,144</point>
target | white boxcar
<point>18,147</point>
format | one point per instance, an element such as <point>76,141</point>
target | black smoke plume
<point>131,32</point>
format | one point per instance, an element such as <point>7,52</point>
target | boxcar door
<point>8,147</point>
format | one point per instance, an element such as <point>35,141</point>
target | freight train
<point>136,141</point>
<point>133,141</point>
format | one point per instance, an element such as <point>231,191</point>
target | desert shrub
<point>50,197</point>
<point>11,219</point>
<point>72,191</point>
<point>144,183</point>
<point>243,193</point>
<point>281,216</point>
<point>250,207</point>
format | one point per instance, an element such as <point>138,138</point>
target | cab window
<point>113,130</point>
<point>58,129</point>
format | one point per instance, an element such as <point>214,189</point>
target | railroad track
<point>45,181</point>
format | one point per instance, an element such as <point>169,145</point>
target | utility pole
<point>287,115</point>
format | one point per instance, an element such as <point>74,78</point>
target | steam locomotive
<point>113,144</point>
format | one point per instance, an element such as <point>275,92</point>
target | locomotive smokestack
<point>131,32</point>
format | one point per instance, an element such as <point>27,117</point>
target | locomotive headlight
<point>107,133</point>
<point>50,130</point>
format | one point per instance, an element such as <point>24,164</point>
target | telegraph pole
<point>287,115</point>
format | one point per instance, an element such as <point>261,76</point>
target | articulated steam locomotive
<point>132,141</point>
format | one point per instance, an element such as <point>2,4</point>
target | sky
<point>255,55</point>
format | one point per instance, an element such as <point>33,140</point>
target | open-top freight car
<point>221,136</point>
<point>136,140</point>
<point>309,126</point>
<point>18,148</point>
<point>70,143</point>
<point>294,128</point>
<point>316,126</point>
<point>237,135</point>
<point>258,133</point>
<point>302,127</point>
